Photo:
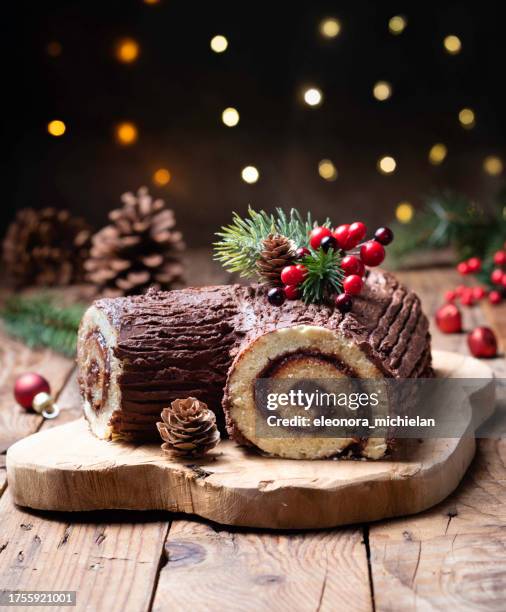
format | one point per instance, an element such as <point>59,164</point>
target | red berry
<point>27,386</point>
<point>352,265</point>
<point>276,296</point>
<point>495,297</point>
<point>482,342</point>
<point>496,276</point>
<point>316,235</point>
<point>302,252</point>
<point>341,235</point>
<point>459,290</point>
<point>479,293</point>
<point>293,275</point>
<point>450,296</point>
<point>292,292</point>
<point>448,319</point>
<point>463,268</point>
<point>372,253</point>
<point>356,234</point>
<point>503,280</point>
<point>344,302</point>
<point>474,264</point>
<point>384,235</point>
<point>500,258</point>
<point>467,298</point>
<point>352,284</point>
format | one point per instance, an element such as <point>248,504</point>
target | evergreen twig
<point>324,275</point>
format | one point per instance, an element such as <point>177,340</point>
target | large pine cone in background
<point>46,247</point>
<point>138,250</point>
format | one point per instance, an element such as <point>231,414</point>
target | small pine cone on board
<point>188,428</point>
<point>277,252</point>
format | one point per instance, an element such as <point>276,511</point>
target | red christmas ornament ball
<point>26,388</point>
<point>494,297</point>
<point>482,342</point>
<point>317,234</point>
<point>449,319</point>
<point>352,265</point>
<point>353,284</point>
<point>372,253</point>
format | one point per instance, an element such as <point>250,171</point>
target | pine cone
<point>46,247</point>
<point>277,252</point>
<point>138,250</point>
<point>188,428</point>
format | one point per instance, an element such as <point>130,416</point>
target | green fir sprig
<point>240,242</point>
<point>39,322</point>
<point>324,275</point>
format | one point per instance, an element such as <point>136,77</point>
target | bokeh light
<point>493,165</point>
<point>330,28</point>
<point>437,154</point>
<point>382,90</point>
<point>386,164</point>
<point>161,177</point>
<point>219,43</point>
<point>56,127</point>
<point>127,50</point>
<point>452,44</point>
<point>313,96</point>
<point>397,24</point>
<point>250,174</point>
<point>230,117</point>
<point>126,133</point>
<point>467,118</point>
<point>404,212</point>
<point>327,170</point>
<point>54,48</point>
<point>151,1</point>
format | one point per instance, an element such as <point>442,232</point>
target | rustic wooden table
<point>452,556</point>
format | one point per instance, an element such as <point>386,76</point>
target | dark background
<point>177,89</point>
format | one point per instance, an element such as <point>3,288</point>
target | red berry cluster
<point>468,296</point>
<point>345,238</point>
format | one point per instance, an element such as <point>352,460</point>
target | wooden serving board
<point>66,468</point>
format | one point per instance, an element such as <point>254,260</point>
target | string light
<point>404,212</point>
<point>230,117</point>
<point>161,177</point>
<point>54,48</point>
<point>386,164</point>
<point>382,90</point>
<point>313,96</point>
<point>452,44</point>
<point>250,174</point>
<point>467,118</point>
<point>127,50</point>
<point>126,133</point>
<point>327,170</point>
<point>330,28</point>
<point>56,127</point>
<point>397,24</point>
<point>437,154</point>
<point>219,43</point>
<point>493,165</point>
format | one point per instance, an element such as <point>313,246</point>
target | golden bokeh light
<point>452,44</point>
<point>382,90</point>
<point>219,43</point>
<point>161,177</point>
<point>397,24</point>
<point>313,96</point>
<point>127,50</point>
<point>126,133</point>
<point>151,1</point>
<point>437,154</point>
<point>327,170</point>
<point>250,174</point>
<point>493,165</point>
<point>330,28</point>
<point>467,118</point>
<point>230,117</point>
<point>386,164</point>
<point>54,48</point>
<point>56,127</point>
<point>404,212</point>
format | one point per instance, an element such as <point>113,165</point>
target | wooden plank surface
<point>212,569</point>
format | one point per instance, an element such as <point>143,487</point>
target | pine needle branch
<point>39,322</point>
<point>324,275</point>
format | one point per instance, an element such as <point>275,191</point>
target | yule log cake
<point>137,354</point>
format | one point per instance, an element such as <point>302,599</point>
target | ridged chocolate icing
<point>181,343</point>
